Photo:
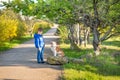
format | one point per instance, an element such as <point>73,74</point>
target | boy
<point>39,44</point>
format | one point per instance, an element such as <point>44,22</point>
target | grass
<point>8,45</point>
<point>113,42</point>
<point>104,67</point>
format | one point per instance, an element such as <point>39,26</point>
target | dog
<point>56,49</point>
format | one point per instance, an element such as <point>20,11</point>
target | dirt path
<point>20,63</point>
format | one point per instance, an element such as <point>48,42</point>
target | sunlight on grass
<point>106,66</point>
<point>112,43</point>
<point>8,45</point>
<point>111,47</point>
<point>114,38</point>
<point>71,74</point>
<point>63,45</point>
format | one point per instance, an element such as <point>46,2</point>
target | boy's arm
<point>36,42</point>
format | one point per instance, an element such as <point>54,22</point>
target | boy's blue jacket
<point>39,41</point>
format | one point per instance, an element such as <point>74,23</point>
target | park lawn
<point>8,45</point>
<point>103,67</point>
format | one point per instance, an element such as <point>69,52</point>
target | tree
<point>102,19</point>
<point>101,16</point>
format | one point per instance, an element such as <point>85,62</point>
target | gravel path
<point>20,63</point>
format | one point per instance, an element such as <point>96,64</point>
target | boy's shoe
<point>42,62</point>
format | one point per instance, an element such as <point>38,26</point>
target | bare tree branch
<point>107,33</point>
<point>115,34</point>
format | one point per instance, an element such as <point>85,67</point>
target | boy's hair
<point>40,29</point>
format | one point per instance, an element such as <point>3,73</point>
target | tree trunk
<point>72,38</point>
<point>96,48</point>
<point>78,34</point>
<point>86,37</point>
<point>95,24</point>
<point>80,38</point>
<point>96,42</point>
<point>73,45</point>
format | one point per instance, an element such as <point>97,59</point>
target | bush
<point>42,24</point>
<point>10,26</point>
<point>21,29</point>
<point>63,33</point>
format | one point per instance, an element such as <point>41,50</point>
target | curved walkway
<point>20,63</point>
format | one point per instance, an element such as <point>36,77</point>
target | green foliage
<point>114,11</point>
<point>70,12</point>
<point>63,33</point>
<point>26,6</point>
<point>42,24</point>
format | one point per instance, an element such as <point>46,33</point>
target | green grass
<point>74,53</point>
<point>8,45</point>
<point>104,67</point>
<point>113,42</point>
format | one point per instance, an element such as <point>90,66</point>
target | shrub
<point>42,24</point>
<point>63,33</point>
<point>11,26</point>
<point>8,25</point>
<point>21,29</point>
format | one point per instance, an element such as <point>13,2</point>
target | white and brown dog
<point>56,49</point>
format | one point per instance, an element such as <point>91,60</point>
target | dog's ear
<point>57,49</point>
